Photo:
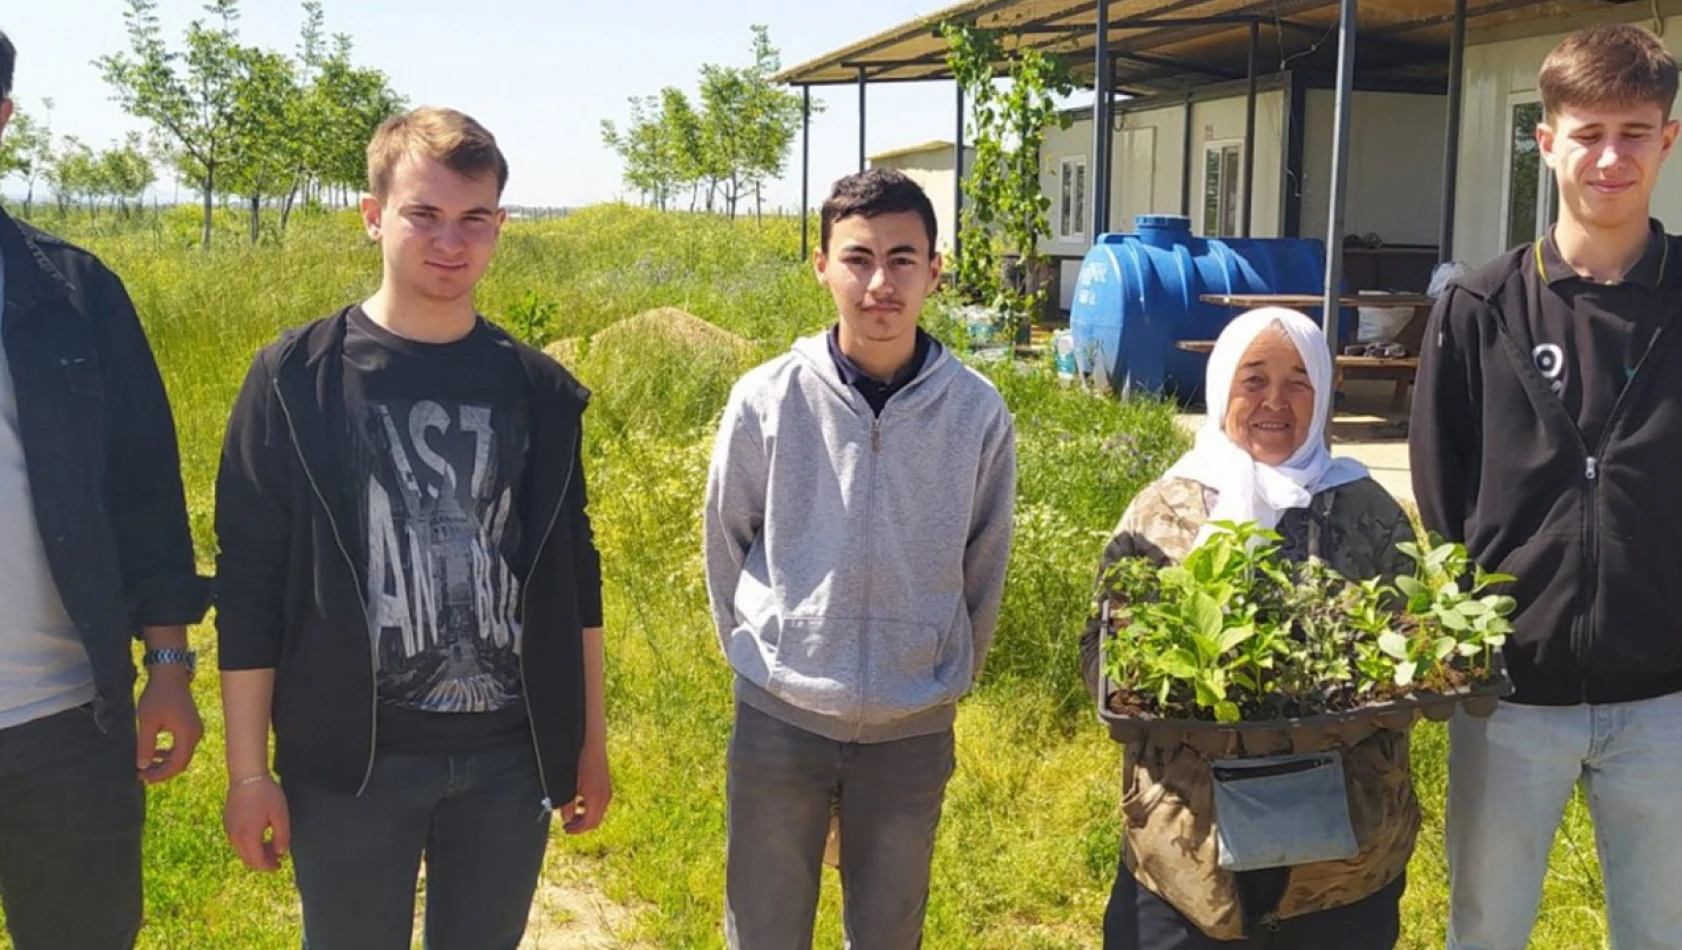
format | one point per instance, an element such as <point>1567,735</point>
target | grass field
<point>1029,839</point>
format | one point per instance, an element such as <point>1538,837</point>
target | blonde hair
<point>445,135</point>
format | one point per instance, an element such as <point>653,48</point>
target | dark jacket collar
<point>30,273</point>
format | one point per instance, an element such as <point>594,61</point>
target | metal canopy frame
<point>1163,28</point>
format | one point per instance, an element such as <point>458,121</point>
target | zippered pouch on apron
<point>1282,811</point>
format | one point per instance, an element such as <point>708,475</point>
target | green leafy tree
<point>682,140</point>
<point>190,94</point>
<point>126,173</point>
<point>73,173</point>
<point>642,147</point>
<point>773,119</point>
<point>266,149</point>
<point>24,151</point>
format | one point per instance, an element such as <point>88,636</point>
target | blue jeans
<point>782,782</point>
<point>475,817</point>
<point>72,809</point>
<point>1509,778</point>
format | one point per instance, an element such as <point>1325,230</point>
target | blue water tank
<point>1137,297</point>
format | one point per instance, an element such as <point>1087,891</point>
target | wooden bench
<point>1400,371</point>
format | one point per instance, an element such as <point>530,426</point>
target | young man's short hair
<point>1608,64</point>
<point>870,193</point>
<point>445,135</point>
<point>8,62</point>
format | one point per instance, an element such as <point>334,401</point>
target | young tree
<point>20,150</point>
<point>126,172</point>
<point>73,174</point>
<point>190,95</point>
<point>348,104</point>
<point>773,119</point>
<point>266,147</point>
<point>682,139</point>
<point>27,150</point>
<point>643,147</point>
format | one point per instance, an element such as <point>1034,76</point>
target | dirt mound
<point>564,352</point>
<point>671,325</point>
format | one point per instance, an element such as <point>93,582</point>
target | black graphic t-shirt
<point>436,439</point>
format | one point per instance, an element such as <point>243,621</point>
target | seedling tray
<point>1301,733</point>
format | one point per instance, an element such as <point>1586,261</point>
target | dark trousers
<point>781,783</point>
<point>477,820</point>
<point>1137,919</point>
<point>72,808</point>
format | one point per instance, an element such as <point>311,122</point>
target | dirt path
<point>568,913</point>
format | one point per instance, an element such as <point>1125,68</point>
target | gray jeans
<point>71,814</point>
<point>782,782</point>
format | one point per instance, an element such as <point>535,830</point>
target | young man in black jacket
<point>409,590</point>
<point>94,552</point>
<point>1547,436</point>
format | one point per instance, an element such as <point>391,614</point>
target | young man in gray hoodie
<point>857,528</point>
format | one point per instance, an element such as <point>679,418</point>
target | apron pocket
<point>1282,811</point>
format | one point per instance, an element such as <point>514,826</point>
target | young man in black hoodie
<point>1547,436</point>
<point>408,585</point>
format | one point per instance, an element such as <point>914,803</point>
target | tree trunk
<point>256,218</point>
<point>286,206</point>
<point>209,184</point>
<point>758,205</point>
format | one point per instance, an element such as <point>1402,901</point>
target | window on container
<point>1071,210</point>
<point>1532,204</point>
<point>1221,180</point>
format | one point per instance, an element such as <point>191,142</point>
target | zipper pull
<point>544,808</point>
<point>1592,468</point>
<point>876,435</point>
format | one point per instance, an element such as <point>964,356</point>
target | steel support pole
<point>1247,207</point>
<point>1340,168</point>
<point>805,172</point>
<point>958,179</point>
<point>863,81</point>
<point>1099,184</point>
<point>1451,147</point>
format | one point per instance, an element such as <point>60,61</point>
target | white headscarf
<point>1250,490</point>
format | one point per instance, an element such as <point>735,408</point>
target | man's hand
<point>166,706</point>
<point>250,814</point>
<point>595,790</point>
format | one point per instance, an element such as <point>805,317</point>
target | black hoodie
<point>289,592</point>
<point>1592,532</point>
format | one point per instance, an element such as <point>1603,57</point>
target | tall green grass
<point>1028,842</point>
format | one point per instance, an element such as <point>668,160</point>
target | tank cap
<point>1162,222</point>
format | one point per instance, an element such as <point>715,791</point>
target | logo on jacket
<point>1550,361</point>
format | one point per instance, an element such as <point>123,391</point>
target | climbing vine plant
<point>1005,207</point>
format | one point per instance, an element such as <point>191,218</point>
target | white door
<point>1134,180</point>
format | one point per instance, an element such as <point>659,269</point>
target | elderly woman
<point>1261,457</point>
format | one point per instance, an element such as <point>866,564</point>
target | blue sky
<point>541,75</point>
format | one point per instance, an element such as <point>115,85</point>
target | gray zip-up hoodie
<point>855,563</point>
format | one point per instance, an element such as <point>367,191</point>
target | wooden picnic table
<point>1402,371</point>
<point>1316,301</point>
